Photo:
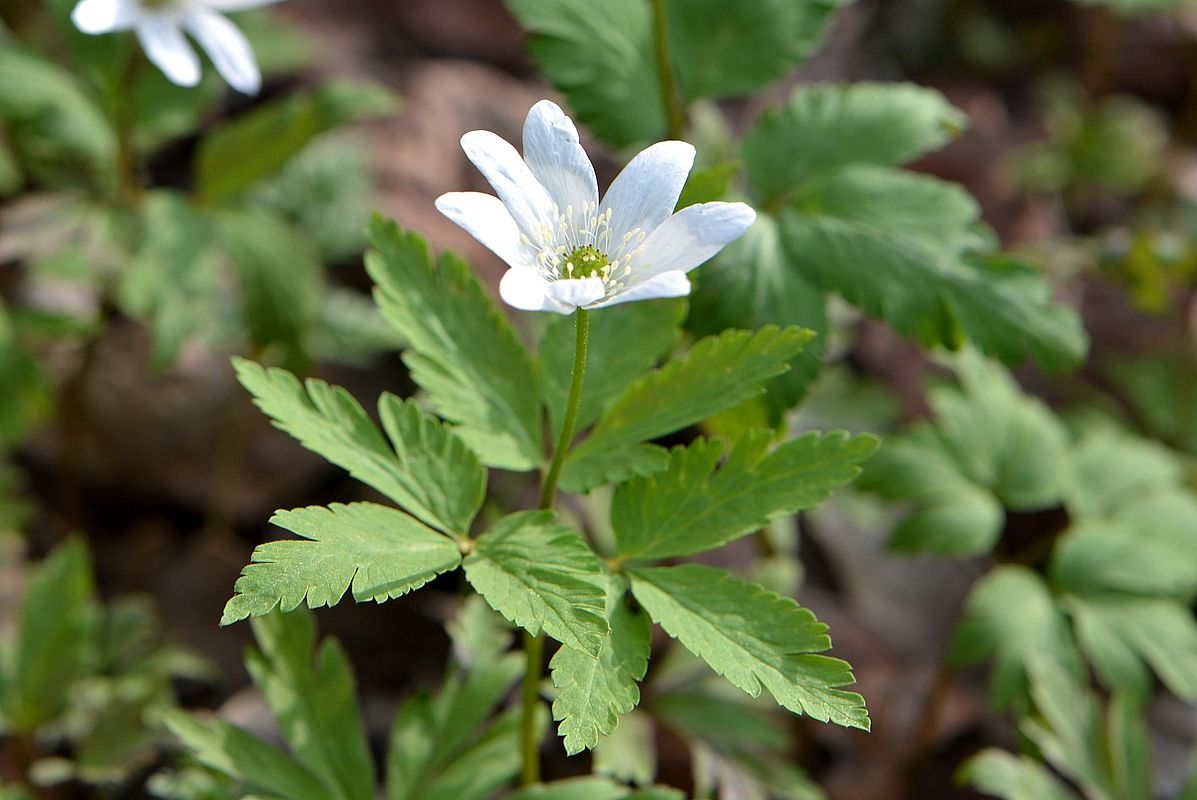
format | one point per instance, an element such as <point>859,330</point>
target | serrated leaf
<point>625,341</point>
<point>723,49</point>
<point>753,638</point>
<point>461,350</point>
<point>1112,468</point>
<point>990,447</point>
<point>54,639</point>
<point>752,283</point>
<point>311,694</point>
<point>594,692</point>
<point>826,127</point>
<point>424,467</point>
<point>381,552</point>
<point>717,373</point>
<point>243,756</point>
<point>936,295</point>
<point>1011,617</point>
<point>690,508</point>
<point>259,143</point>
<point>542,576</point>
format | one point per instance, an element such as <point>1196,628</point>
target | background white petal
<point>525,290</point>
<point>647,189</point>
<point>556,157</point>
<point>667,284</point>
<point>165,46</point>
<point>484,217</point>
<point>236,5</point>
<point>576,291</point>
<point>693,235</point>
<point>227,46</point>
<point>513,182</point>
<point>104,16</point>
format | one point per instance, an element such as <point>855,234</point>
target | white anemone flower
<point>567,249</point>
<point>160,24</point>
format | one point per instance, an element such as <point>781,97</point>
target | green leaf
<point>1011,617</point>
<point>594,692</point>
<point>1119,633</point>
<point>588,788</point>
<point>629,752</point>
<point>54,128</point>
<point>723,49</point>
<point>479,635</point>
<point>1012,777</point>
<point>606,70</point>
<point>625,341</point>
<point>261,142</point>
<point>174,282</point>
<point>381,552</point>
<point>462,350</point>
<point>1068,727</point>
<point>423,467</point>
<point>708,184</point>
<point>311,694</point>
<point>719,372</point>
<point>752,283</point>
<point>826,127</point>
<point>753,638</point>
<point>241,755</point>
<point>54,640</point>
<point>990,447</point>
<point>691,508</point>
<point>281,277</point>
<point>937,295</point>
<point>1113,468</point>
<point>438,747</point>
<point>542,577</point>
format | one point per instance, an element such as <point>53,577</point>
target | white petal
<point>667,284</point>
<point>693,235</point>
<point>556,158</point>
<point>646,192</point>
<point>227,46</point>
<point>484,217</point>
<point>104,16</point>
<point>576,291</point>
<point>164,45</point>
<point>515,184</point>
<point>236,5</point>
<point>527,291</point>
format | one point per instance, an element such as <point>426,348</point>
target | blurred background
<point>123,426</point>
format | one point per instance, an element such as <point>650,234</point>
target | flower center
<point>586,261</point>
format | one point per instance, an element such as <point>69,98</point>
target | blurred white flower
<point>160,24</point>
<point>566,248</point>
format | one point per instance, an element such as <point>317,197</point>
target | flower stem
<point>534,645</point>
<point>549,487</point>
<point>675,115</point>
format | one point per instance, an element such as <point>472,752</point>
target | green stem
<point>675,115</point>
<point>549,488</point>
<point>534,645</point>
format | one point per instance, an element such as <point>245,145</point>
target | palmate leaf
<point>424,466</point>
<point>690,507</point>
<point>753,638</point>
<point>461,350</point>
<point>717,373</point>
<point>311,694</point>
<point>826,127</point>
<point>380,552</point>
<point>543,577</point>
<point>1012,777</point>
<point>594,692</point>
<point>593,788</point>
<point>625,341</point>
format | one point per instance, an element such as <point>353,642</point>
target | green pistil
<point>583,262</point>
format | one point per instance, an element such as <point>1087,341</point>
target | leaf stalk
<point>675,114</point>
